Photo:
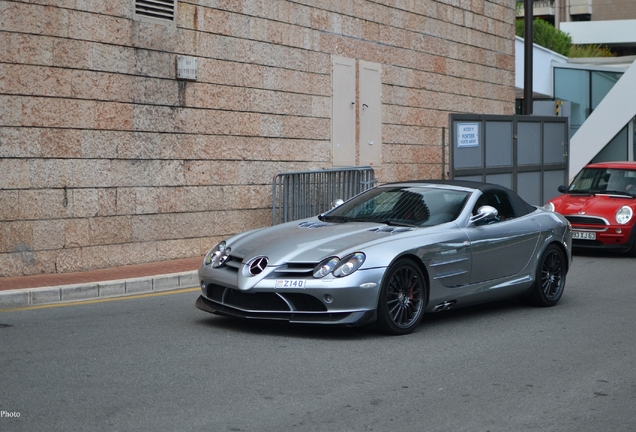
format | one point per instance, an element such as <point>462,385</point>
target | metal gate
<point>528,154</point>
<point>297,195</point>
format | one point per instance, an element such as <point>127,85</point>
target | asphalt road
<point>159,364</point>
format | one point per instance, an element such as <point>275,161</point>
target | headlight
<point>339,267</point>
<point>549,206</point>
<point>325,267</point>
<point>349,264</point>
<point>217,255</point>
<point>624,215</point>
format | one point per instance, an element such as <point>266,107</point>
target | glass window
<point>615,150</point>
<point>415,206</point>
<point>602,83</point>
<point>633,126</point>
<point>573,85</point>
<point>604,180</point>
<point>498,200</point>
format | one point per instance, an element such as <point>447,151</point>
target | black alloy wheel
<point>550,278</point>
<point>402,298</point>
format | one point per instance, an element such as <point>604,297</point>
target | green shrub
<point>546,35</point>
<point>590,51</point>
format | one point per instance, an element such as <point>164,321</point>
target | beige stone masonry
<point>108,159</point>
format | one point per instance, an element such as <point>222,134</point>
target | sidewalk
<point>24,291</point>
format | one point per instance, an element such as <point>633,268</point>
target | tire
<point>632,250</point>
<point>550,278</point>
<point>402,298</point>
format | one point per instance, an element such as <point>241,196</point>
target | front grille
<point>586,243</point>
<point>586,220</point>
<point>254,301</point>
<point>233,262</point>
<point>294,270</point>
<point>215,292</point>
<point>269,302</point>
<point>304,302</point>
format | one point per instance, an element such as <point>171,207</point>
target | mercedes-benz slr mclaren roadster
<point>391,254</point>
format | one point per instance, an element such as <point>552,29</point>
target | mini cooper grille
<point>586,220</point>
<point>270,302</point>
<point>586,243</point>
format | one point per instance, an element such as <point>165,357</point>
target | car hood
<point>312,240</point>
<point>592,205</point>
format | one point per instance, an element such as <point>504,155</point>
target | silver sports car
<point>391,254</point>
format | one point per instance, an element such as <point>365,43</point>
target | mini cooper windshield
<point>401,206</point>
<point>604,181</point>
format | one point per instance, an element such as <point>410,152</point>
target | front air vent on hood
<point>312,225</point>
<point>391,230</point>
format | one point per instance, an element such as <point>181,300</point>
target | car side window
<point>498,200</point>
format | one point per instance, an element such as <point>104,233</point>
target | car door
<point>450,262</point>
<point>503,247</point>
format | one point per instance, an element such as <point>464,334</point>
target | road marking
<point>101,300</point>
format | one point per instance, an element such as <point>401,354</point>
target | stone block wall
<point>603,10</point>
<point>107,159</point>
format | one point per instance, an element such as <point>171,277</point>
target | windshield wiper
<point>616,192</point>
<point>583,191</point>
<point>331,218</point>
<point>335,218</point>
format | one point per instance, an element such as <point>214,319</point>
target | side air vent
<point>157,11</point>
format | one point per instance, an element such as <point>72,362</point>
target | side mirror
<point>337,203</point>
<point>562,189</point>
<point>484,214</point>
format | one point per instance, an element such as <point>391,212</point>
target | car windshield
<point>604,181</point>
<point>401,206</point>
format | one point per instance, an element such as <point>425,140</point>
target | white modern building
<point>600,96</point>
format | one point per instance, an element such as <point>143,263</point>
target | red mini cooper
<point>600,204</point>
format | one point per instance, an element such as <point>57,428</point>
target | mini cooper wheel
<point>402,298</point>
<point>550,278</point>
<point>632,249</point>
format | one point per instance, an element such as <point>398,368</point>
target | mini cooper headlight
<point>624,215</point>
<point>214,255</point>
<point>549,206</point>
<point>339,267</point>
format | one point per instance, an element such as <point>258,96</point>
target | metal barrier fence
<point>297,195</point>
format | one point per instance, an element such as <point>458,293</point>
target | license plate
<point>583,235</point>
<point>290,283</point>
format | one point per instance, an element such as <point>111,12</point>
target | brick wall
<point>107,159</point>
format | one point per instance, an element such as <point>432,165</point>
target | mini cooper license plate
<point>290,283</point>
<point>583,235</point>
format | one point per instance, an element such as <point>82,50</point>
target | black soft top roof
<point>520,206</point>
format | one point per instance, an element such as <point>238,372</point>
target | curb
<point>95,290</point>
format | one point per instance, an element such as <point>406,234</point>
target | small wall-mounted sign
<point>187,67</point>
<point>468,135</point>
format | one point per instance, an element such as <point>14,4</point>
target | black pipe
<point>527,58</point>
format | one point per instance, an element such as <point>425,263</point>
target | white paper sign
<point>468,135</point>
